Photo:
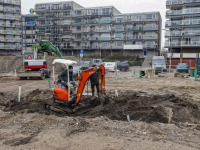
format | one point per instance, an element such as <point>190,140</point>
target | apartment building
<point>183,25</point>
<point>10,27</point>
<point>71,27</point>
<point>28,31</point>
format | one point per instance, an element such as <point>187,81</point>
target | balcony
<point>1,9</point>
<point>191,22</point>
<point>173,12</point>
<point>2,39</point>
<point>117,47</point>
<point>150,46</point>
<point>42,25</point>
<point>10,17</point>
<point>102,30</point>
<point>117,38</point>
<point>11,2</point>
<point>137,37</point>
<point>54,8</point>
<point>77,31</point>
<point>153,27</point>
<point>18,32</point>
<point>9,32</point>
<point>78,39</point>
<point>150,19</point>
<point>191,32</point>
<point>174,33</point>
<point>2,32</point>
<point>2,46</point>
<point>119,29</point>
<point>39,32</point>
<point>105,38</point>
<point>190,43</point>
<point>129,37</point>
<point>169,44</point>
<point>2,17</point>
<point>10,40</point>
<point>10,25</point>
<point>18,40</point>
<point>105,47</point>
<point>180,2</point>
<point>173,23</point>
<point>153,37</point>
<point>9,10</point>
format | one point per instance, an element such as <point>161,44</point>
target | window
<point>129,43</point>
<point>24,36</point>
<point>118,35</point>
<point>118,43</point>
<point>105,19</point>
<point>105,44</point>
<point>151,16</point>
<point>105,27</point>
<point>129,26</point>
<point>23,19</point>
<point>105,11</point>
<point>149,43</point>
<point>128,18</point>
<point>77,20</point>
<point>150,34</point>
<point>28,27</point>
<point>119,19</point>
<point>118,27</point>
<point>139,17</point>
<point>105,36</point>
<point>138,43</point>
<point>66,36</point>
<point>66,21</point>
<point>129,35</point>
<point>78,12</point>
<point>66,13</point>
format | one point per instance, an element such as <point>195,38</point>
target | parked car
<point>123,66</point>
<point>182,67</point>
<point>110,66</point>
<point>75,71</point>
<point>126,61</point>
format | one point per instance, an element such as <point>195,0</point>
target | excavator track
<point>49,105</point>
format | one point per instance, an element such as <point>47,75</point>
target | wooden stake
<point>170,116</point>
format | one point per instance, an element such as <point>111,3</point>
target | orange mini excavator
<point>67,100</point>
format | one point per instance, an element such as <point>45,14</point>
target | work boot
<point>98,94</point>
<point>92,94</point>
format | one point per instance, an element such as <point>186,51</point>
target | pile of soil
<point>153,108</point>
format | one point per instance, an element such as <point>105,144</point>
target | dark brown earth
<point>139,107</point>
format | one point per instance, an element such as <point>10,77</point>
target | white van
<point>158,63</point>
<point>110,66</point>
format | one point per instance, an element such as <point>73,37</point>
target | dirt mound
<point>143,108</point>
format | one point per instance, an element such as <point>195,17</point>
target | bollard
<point>128,118</point>
<point>195,74</point>
<point>49,81</point>
<point>20,88</point>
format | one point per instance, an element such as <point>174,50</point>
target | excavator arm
<point>85,75</point>
<point>45,46</point>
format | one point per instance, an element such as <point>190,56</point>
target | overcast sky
<point>124,6</point>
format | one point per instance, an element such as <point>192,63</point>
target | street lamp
<point>170,60</point>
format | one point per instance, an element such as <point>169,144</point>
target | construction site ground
<point>148,101</point>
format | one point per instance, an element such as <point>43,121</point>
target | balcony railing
<point>2,39</point>
<point>180,2</point>
<point>177,33</point>
<point>150,27</point>
<point>191,32</point>
<point>183,43</point>
<point>150,37</point>
<point>77,31</point>
<point>150,46</point>
<point>11,2</point>
<point>174,12</point>
<point>105,38</point>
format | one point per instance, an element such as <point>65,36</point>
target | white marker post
<point>20,88</point>
<point>116,93</point>
<point>128,118</point>
<point>53,74</point>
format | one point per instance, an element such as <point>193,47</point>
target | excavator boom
<point>85,75</point>
<point>45,46</point>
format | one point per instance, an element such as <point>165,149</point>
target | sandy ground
<point>36,130</point>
